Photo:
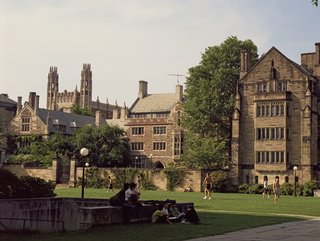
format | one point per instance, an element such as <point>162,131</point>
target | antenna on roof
<point>177,75</point>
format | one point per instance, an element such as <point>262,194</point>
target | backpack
<point>192,216</point>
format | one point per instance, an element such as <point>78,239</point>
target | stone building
<point>7,112</point>
<point>152,125</point>
<point>32,120</point>
<point>66,100</point>
<point>275,122</point>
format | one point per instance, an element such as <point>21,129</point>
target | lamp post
<point>295,168</point>
<point>84,152</point>
<point>151,159</point>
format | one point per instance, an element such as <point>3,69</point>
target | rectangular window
<point>281,133</point>
<point>272,156</point>
<point>159,130</point>
<point>258,134</point>
<point>137,131</point>
<point>282,156</point>
<point>159,146</point>
<point>272,133</point>
<point>177,146</point>
<point>267,133</point>
<point>277,156</point>
<point>138,162</point>
<point>267,157</point>
<point>258,157</point>
<point>137,146</point>
<point>25,124</point>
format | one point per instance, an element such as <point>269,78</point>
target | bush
<point>35,187</point>
<point>147,182</point>
<point>94,178</point>
<point>25,187</point>
<point>286,189</point>
<point>8,184</point>
<point>244,188</point>
<point>220,181</point>
<point>256,189</point>
<point>124,175</point>
<point>309,187</point>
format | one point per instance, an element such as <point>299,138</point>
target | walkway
<point>307,230</point>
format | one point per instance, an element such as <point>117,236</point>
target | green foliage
<point>244,188</point>
<point>81,111</point>
<point>124,175</point>
<point>314,2</point>
<point>309,187</point>
<point>210,92</point>
<point>147,182</point>
<point>94,177</point>
<point>256,189</point>
<point>221,181</point>
<point>175,178</point>
<point>35,187</point>
<point>286,189</point>
<point>108,145</point>
<point>25,187</point>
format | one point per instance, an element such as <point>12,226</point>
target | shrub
<point>220,181</point>
<point>25,187</point>
<point>286,189</point>
<point>8,184</point>
<point>309,187</point>
<point>244,188</point>
<point>124,175</point>
<point>34,187</point>
<point>94,178</point>
<point>175,178</point>
<point>256,189</point>
<point>147,182</point>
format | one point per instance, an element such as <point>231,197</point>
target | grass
<point>224,213</point>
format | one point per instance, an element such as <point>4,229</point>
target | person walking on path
<point>110,184</point>
<point>207,182</point>
<point>265,187</point>
<point>276,189</point>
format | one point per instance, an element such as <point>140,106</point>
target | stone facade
<point>275,122</point>
<point>152,125</point>
<point>7,112</point>
<point>67,99</point>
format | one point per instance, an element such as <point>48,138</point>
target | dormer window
<point>282,86</point>
<point>262,87</point>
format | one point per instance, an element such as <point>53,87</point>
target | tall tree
<point>210,92</point>
<point>108,145</point>
<point>315,2</point>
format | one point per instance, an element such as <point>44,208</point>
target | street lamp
<point>151,159</point>
<point>84,152</point>
<point>295,168</point>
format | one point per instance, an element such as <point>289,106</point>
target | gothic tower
<point>53,88</point>
<point>86,86</point>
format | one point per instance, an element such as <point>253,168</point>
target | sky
<point>130,40</point>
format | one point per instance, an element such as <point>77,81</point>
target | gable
<point>275,65</point>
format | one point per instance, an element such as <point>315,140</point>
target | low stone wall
<point>43,173</point>
<point>66,214</point>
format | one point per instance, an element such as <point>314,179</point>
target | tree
<point>81,111</point>
<point>210,93</point>
<point>315,2</point>
<point>107,145</point>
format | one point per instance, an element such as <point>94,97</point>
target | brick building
<point>275,122</point>
<point>152,125</point>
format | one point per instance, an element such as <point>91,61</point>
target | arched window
<point>267,110</point>
<point>277,110</point>
<point>263,111</point>
<point>258,111</point>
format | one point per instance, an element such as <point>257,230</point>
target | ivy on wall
<point>175,178</point>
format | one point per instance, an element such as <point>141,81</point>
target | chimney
<point>123,112</point>
<point>19,104</point>
<point>36,104</point>
<point>115,113</point>
<point>98,118</point>
<point>179,92</point>
<point>245,62</point>
<point>317,53</point>
<point>32,99</point>
<point>143,89</point>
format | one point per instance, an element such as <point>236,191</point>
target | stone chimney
<point>36,104</point>
<point>19,104</point>
<point>317,53</point>
<point>124,112</point>
<point>32,99</point>
<point>245,62</point>
<point>179,92</point>
<point>115,114</point>
<point>143,89</point>
<point>99,118</point>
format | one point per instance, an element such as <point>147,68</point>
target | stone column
<point>72,180</point>
<point>54,170</point>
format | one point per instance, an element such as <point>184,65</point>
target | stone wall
<point>44,173</point>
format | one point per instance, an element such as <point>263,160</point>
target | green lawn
<point>224,213</point>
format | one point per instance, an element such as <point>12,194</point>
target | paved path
<point>308,230</point>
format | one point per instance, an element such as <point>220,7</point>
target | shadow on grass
<point>211,224</point>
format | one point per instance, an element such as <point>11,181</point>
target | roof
<point>299,67</point>
<point>153,103</point>
<point>5,101</point>
<point>68,120</point>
